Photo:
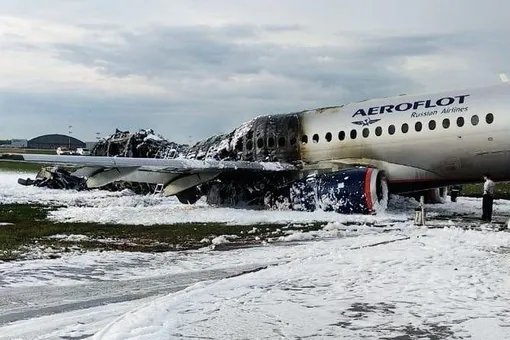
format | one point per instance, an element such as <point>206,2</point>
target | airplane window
<point>270,142</point>
<point>405,128</point>
<point>418,126</point>
<point>378,131</point>
<point>460,121</point>
<point>281,141</point>
<point>249,145</point>
<point>475,120</point>
<point>446,123</point>
<point>366,132</point>
<point>315,138</point>
<point>432,125</point>
<point>293,141</point>
<point>304,139</point>
<point>489,118</point>
<point>329,136</point>
<point>354,133</point>
<point>239,145</point>
<point>391,129</point>
<point>341,135</point>
<point>260,142</point>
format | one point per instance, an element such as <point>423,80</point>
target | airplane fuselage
<point>440,138</point>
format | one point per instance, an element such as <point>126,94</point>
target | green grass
<point>23,150</point>
<point>502,190</point>
<point>31,228</point>
<point>20,166</point>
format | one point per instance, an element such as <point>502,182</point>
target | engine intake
<point>350,191</point>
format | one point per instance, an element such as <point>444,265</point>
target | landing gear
<point>189,196</point>
<point>455,192</point>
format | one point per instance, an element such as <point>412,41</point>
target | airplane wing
<point>175,175</point>
<point>177,165</point>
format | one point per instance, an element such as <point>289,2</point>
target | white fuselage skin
<point>451,154</point>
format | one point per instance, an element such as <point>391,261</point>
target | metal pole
<point>419,213</point>
<point>69,137</point>
<point>422,204</point>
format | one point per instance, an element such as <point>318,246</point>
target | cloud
<point>199,79</point>
<point>234,62</point>
<point>164,54</point>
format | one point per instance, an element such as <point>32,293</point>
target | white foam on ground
<point>437,282</point>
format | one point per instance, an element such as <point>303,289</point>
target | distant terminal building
<point>54,141</point>
<point>13,143</point>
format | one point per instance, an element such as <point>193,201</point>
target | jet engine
<point>349,191</point>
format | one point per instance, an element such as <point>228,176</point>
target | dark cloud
<point>334,73</point>
<point>197,64</point>
<point>201,52</point>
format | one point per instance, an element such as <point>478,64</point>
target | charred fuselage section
<point>263,139</point>
<point>271,138</point>
<point>143,144</point>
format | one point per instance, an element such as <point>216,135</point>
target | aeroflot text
<point>425,104</point>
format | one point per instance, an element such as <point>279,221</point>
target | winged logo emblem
<point>366,121</point>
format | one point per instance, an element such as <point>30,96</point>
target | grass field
<point>26,227</point>
<point>23,150</point>
<point>502,190</point>
<point>20,166</point>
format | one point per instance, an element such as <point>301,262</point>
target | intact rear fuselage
<point>418,140</point>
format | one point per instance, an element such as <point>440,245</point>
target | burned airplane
<point>344,158</point>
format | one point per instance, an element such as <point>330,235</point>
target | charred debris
<point>265,138</point>
<point>142,144</point>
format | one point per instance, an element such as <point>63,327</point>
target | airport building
<point>54,141</point>
<point>13,143</point>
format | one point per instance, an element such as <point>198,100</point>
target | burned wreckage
<point>142,144</point>
<point>264,141</point>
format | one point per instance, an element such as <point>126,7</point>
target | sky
<point>193,68</point>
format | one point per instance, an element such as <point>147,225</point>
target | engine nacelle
<point>350,191</point>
